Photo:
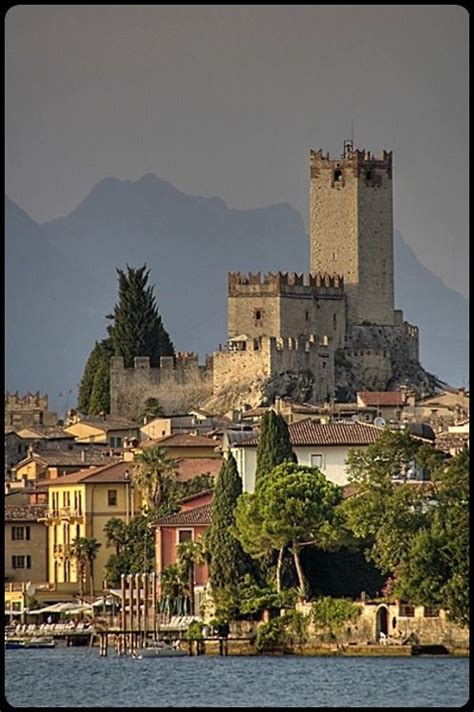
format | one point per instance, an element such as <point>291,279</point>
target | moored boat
<point>35,642</point>
<point>158,649</point>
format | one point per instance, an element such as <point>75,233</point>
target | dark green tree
<point>137,328</point>
<point>100,396</point>
<point>435,571</point>
<point>100,355</point>
<point>228,562</point>
<point>273,445</point>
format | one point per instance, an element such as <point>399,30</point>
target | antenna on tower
<point>352,131</point>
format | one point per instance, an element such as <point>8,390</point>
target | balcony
<point>62,551</point>
<point>66,513</point>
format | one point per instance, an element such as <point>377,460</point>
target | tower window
<point>334,321</point>
<point>258,314</point>
<point>368,174</point>
<point>306,316</point>
<point>337,176</point>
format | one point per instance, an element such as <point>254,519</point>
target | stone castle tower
<point>351,229</point>
<point>312,337</point>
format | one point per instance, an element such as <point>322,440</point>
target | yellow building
<point>52,463</point>
<point>186,445</point>
<point>107,429</point>
<point>25,543</point>
<point>79,505</point>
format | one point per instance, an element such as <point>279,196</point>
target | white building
<point>325,446</point>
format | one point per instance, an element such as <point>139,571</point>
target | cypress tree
<point>138,329</point>
<point>273,445</point>
<point>228,560</point>
<point>100,396</point>
<point>99,355</point>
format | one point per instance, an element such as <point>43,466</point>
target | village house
<point>79,505</point>
<point>444,409</point>
<point>113,431</point>
<point>16,450</point>
<point>322,445</point>
<point>29,410</point>
<point>186,445</point>
<point>392,406</point>
<point>196,420</point>
<point>54,463</point>
<point>26,551</point>
<point>189,524</point>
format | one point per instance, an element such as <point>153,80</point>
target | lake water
<point>78,677</point>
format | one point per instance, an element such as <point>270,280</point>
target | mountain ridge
<point>189,243</point>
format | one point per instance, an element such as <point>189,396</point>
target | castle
<point>315,336</point>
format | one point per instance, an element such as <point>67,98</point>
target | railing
<point>63,513</point>
<point>62,549</point>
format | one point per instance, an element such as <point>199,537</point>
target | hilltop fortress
<point>313,337</point>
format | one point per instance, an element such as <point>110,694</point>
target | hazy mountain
<point>61,279</point>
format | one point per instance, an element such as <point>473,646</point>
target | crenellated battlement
<point>29,400</point>
<point>281,283</point>
<point>180,361</point>
<point>351,158</point>
<point>312,342</point>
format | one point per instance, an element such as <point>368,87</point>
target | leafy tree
<point>227,558</point>
<point>331,614</point>
<point>389,510</point>
<point>154,473</point>
<point>435,571</point>
<point>152,409</point>
<point>273,445</point>
<point>137,325</point>
<point>299,507</point>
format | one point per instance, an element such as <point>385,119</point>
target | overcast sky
<point>228,100</point>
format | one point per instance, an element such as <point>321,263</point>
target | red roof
<point>309,432</point>
<point>199,516</point>
<point>112,472</point>
<point>24,512</point>
<point>190,467</point>
<point>183,440</point>
<point>374,398</point>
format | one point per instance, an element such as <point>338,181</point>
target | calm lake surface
<point>78,677</point>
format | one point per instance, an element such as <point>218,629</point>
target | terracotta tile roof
<point>52,457</point>
<point>199,516</point>
<point>110,423</point>
<point>48,432</point>
<point>24,512</point>
<point>196,495</point>
<point>350,490</point>
<point>309,432</point>
<point>375,398</point>
<point>184,440</point>
<point>190,467</point>
<point>112,472</point>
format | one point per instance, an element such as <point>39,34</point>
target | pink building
<point>189,524</point>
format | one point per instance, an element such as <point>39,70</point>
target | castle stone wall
<point>284,305</point>
<point>178,385</point>
<point>270,356</point>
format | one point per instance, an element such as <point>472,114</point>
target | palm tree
<point>115,530</point>
<point>190,553</point>
<point>92,549</point>
<point>153,474</point>
<point>85,551</point>
<point>79,552</point>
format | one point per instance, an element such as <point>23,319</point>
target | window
<point>307,316</point>
<point>334,321</point>
<point>21,562</point>
<point>317,461</point>
<point>430,612</point>
<point>185,535</point>
<point>337,176</point>
<point>258,314</point>
<point>406,610</point>
<point>112,498</point>
<point>20,533</point>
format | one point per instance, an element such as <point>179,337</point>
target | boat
<point>158,649</point>
<point>35,642</point>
